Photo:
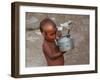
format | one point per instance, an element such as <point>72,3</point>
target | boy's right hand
<point>58,34</point>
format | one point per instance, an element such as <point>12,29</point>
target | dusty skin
<point>50,49</point>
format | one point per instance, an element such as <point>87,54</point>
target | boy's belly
<point>55,62</point>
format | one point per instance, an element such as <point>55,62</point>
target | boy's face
<point>49,32</point>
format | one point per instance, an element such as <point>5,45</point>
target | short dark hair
<point>46,21</point>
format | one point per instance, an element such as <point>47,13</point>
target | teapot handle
<point>68,31</point>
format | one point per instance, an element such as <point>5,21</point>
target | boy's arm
<point>50,53</point>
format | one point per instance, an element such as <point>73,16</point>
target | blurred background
<point>79,32</point>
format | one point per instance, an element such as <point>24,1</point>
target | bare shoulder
<point>44,44</point>
<point>47,46</point>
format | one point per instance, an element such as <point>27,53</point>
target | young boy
<point>51,51</point>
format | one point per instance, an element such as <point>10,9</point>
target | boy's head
<point>48,29</point>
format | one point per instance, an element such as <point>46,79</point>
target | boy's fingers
<point>59,34</point>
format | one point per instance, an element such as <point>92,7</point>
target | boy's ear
<point>43,34</point>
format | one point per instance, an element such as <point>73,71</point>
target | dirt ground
<point>79,32</point>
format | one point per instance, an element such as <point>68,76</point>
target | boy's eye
<point>52,34</point>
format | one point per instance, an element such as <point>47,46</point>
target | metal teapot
<point>65,43</point>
